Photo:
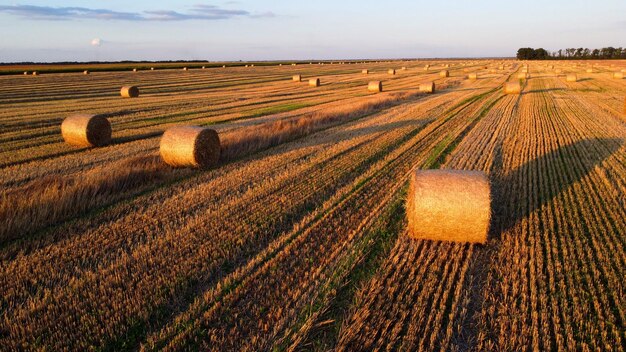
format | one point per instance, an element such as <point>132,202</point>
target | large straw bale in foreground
<point>86,130</point>
<point>449,205</point>
<point>427,87</point>
<point>512,88</point>
<point>190,146</point>
<point>375,86</point>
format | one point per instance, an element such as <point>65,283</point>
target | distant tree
<point>571,53</point>
<point>525,54</point>
<point>540,54</point>
<point>595,54</point>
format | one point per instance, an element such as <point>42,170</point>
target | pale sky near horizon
<point>65,30</point>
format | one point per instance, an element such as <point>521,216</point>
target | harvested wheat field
<point>283,223</point>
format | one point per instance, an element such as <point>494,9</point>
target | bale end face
<point>190,146</point>
<point>86,130</point>
<point>512,88</point>
<point>427,87</point>
<point>375,86</point>
<point>129,92</point>
<point>449,205</point>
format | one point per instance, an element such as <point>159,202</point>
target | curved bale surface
<point>472,76</point>
<point>427,87</point>
<point>190,146</point>
<point>449,205</point>
<point>512,88</point>
<point>86,130</point>
<point>391,71</point>
<point>129,91</point>
<point>314,82</point>
<point>365,71</point>
<point>297,78</point>
<point>618,75</point>
<point>444,73</point>
<point>572,78</point>
<point>86,72</point>
<point>375,86</point>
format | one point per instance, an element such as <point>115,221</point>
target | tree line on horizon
<point>571,54</point>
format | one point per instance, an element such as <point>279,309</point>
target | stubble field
<point>297,240</point>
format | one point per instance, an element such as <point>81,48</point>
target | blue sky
<point>34,30</point>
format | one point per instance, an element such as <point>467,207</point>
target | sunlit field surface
<point>297,240</point>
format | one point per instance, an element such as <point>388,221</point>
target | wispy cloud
<point>197,12</point>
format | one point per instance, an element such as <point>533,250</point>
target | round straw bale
<point>365,71</point>
<point>449,205</point>
<point>391,71</point>
<point>558,70</point>
<point>184,68</point>
<point>589,70</point>
<point>444,73</point>
<point>152,68</point>
<point>472,76</point>
<point>86,130</point>
<point>297,78</point>
<point>190,146</point>
<point>25,72</point>
<point>427,87</point>
<point>512,88</point>
<point>314,82</point>
<point>618,75</point>
<point>134,70</point>
<point>35,73</point>
<point>572,77</point>
<point>86,72</point>
<point>375,86</point>
<point>129,91</point>
<point>203,67</point>
<point>223,66</point>
<point>403,68</point>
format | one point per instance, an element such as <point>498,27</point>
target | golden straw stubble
<point>449,205</point>
<point>129,91</point>
<point>190,146</point>
<point>86,130</point>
